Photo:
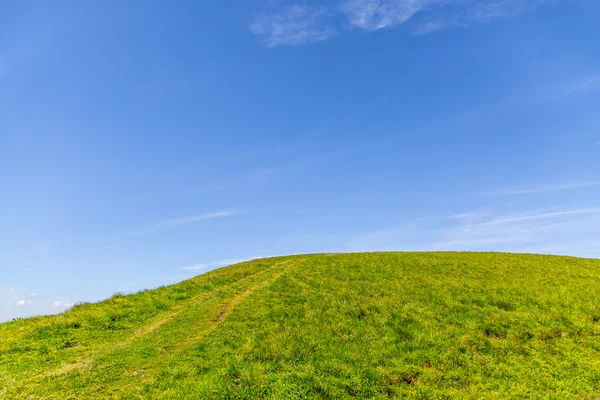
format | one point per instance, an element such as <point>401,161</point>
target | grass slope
<point>373,325</point>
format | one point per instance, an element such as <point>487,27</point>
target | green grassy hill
<point>373,325</point>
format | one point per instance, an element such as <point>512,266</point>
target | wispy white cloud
<point>486,10</point>
<point>11,289</point>
<point>33,294</point>
<point>298,24</point>
<point>586,84</point>
<point>561,87</point>
<point>217,264</point>
<point>195,218</point>
<point>540,189</point>
<point>430,27</point>
<point>470,215</point>
<point>23,303</point>
<point>569,232</point>
<point>555,214</point>
<point>169,223</point>
<point>292,26</point>
<point>63,304</point>
<point>573,231</point>
<point>372,15</point>
<point>459,13</point>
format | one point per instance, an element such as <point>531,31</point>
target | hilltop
<point>369,325</point>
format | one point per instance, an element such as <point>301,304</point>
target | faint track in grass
<point>161,320</point>
<point>229,306</point>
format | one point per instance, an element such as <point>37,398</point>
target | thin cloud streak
<point>588,84</point>
<point>565,232</point>
<point>542,189</point>
<point>470,215</point>
<point>544,215</point>
<point>196,218</point>
<point>170,223</point>
<point>293,26</point>
<point>475,12</point>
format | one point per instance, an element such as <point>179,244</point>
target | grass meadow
<point>327,326</point>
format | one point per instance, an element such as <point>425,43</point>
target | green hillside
<point>372,325</point>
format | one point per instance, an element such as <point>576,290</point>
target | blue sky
<point>142,143</point>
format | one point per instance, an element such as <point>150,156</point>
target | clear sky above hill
<point>144,142</point>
